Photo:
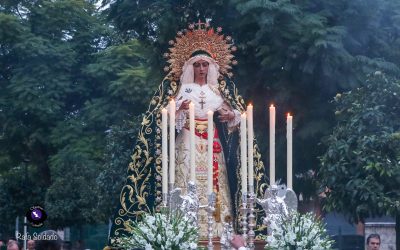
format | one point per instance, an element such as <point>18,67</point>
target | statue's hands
<point>184,105</point>
<point>226,115</point>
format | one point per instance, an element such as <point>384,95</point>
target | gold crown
<point>200,37</point>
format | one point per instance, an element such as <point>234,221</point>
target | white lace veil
<point>188,73</point>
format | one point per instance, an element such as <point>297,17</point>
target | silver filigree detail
<point>227,235</point>
<point>210,215</point>
<point>187,204</point>
<point>274,206</point>
<point>244,212</point>
<point>190,203</point>
<point>252,221</point>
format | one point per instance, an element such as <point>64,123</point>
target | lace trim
<point>180,116</point>
<point>235,121</point>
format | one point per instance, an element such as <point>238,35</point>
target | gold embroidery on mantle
<point>133,196</point>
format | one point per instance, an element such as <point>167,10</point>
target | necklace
<point>202,97</point>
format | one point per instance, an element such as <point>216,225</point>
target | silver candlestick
<point>244,216</point>
<point>251,218</point>
<point>210,210</point>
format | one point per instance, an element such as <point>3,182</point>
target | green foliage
<point>60,93</point>
<point>299,54</point>
<point>118,152</point>
<point>72,197</point>
<point>124,73</point>
<point>154,21</point>
<point>18,187</point>
<point>361,167</point>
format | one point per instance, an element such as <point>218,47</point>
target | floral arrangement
<point>299,231</point>
<point>161,231</point>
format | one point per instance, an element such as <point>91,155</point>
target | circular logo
<point>36,216</point>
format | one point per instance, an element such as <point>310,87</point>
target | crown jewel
<point>200,37</point>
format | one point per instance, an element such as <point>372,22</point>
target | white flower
<point>180,235</point>
<point>291,238</point>
<point>161,231</point>
<point>148,247</point>
<point>298,231</point>
<point>159,240</point>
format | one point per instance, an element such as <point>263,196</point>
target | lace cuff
<point>180,116</point>
<point>235,121</point>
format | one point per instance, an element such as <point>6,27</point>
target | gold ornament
<point>200,37</point>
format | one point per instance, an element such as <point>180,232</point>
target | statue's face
<point>200,69</point>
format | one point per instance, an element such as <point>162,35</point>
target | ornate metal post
<point>251,217</point>
<point>244,215</point>
<point>210,210</point>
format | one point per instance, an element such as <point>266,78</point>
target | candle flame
<point>289,115</point>
<point>272,105</point>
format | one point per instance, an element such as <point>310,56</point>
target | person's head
<point>200,67</point>
<point>51,241</point>
<point>373,242</point>
<point>30,245</point>
<point>12,245</point>
<point>11,239</point>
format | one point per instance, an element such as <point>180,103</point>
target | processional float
<point>277,201</point>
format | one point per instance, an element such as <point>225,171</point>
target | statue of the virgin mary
<point>200,61</point>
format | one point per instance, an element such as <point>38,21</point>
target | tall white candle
<point>251,145</point>
<point>172,109</point>
<point>210,141</point>
<point>272,144</point>
<point>192,144</point>
<point>164,131</point>
<point>289,136</point>
<point>243,152</point>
